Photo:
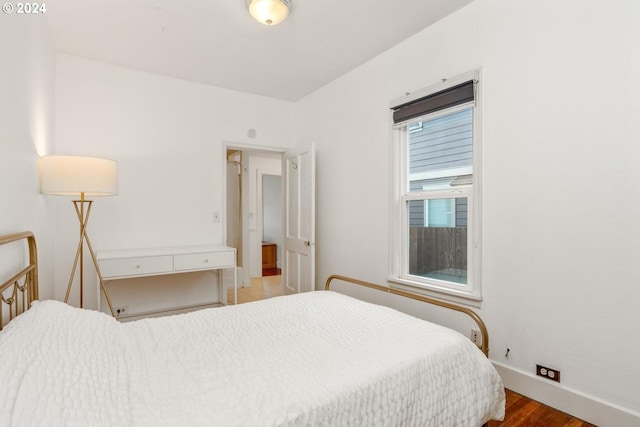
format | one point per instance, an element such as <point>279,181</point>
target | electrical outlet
<point>120,311</point>
<point>551,374</point>
<point>476,337</point>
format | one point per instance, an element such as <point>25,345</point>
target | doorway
<point>254,212</point>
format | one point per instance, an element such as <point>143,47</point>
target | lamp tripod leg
<point>102,285</point>
<point>75,265</point>
<point>83,218</point>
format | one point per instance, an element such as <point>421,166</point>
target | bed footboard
<point>483,329</point>
<point>18,292</point>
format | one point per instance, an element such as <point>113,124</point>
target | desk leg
<point>221,287</point>
<point>235,285</point>
<point>99,294</point>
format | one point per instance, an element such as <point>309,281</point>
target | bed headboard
<point>18,292</point>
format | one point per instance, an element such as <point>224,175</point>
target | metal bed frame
<point>21,290</point>
<point>484,346</point>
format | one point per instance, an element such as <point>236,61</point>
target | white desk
<point>132,263</point>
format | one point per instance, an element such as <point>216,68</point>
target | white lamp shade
<point>269,12</point>
<point>73,175</point>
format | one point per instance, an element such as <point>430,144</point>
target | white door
<point>298,172</point>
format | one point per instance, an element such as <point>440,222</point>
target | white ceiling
<point>218,43</point>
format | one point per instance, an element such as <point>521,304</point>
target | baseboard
<point>587,408</point>
<point>167,311</point>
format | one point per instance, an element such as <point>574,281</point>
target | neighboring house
<point>440,154</point>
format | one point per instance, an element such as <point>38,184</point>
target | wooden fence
<point>437,249</point>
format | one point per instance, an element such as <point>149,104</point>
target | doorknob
<point>307,243</point>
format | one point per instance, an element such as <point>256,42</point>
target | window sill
<point>451,295</point>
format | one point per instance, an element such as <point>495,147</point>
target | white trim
<point>395,190</point>
<point>476,207</point>
<point>449,193</point>
<point>447,294</point>
<point>578,404</point>
<point>250,147</point>
<point>442,173</point>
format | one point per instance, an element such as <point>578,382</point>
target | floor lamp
<point>80,176</point>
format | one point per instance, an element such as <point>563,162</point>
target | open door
<point>298,172</point>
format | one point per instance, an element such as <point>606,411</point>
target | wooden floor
<point>524,412</point>
<point>261,288</point>
<point>520,410</point>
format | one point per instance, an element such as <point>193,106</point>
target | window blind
<point>450,97</point>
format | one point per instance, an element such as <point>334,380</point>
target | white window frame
<point>471,292</point>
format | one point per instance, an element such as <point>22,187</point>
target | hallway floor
<point>261,288</point>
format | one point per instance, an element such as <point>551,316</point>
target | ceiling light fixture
<point>269,12</point>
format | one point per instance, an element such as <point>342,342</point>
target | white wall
<point>561,98</point>
<point>26,132</point>
<point>167,137</point>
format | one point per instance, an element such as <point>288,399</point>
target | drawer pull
<point>206,260</point>
<point>137,266</point>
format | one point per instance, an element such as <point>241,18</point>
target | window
<point>435,220</point>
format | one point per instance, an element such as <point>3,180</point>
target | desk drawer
<point>136,266</point>
<point>204,261</point>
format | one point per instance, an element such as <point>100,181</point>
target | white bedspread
<point>314,359</point>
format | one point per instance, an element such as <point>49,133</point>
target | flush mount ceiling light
<point>269,12</point>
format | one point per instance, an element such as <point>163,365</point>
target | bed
<point>313,359</point>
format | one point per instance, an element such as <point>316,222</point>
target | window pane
<point>438,239</point>
<point>440,213</point>
<point>442,148</point>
